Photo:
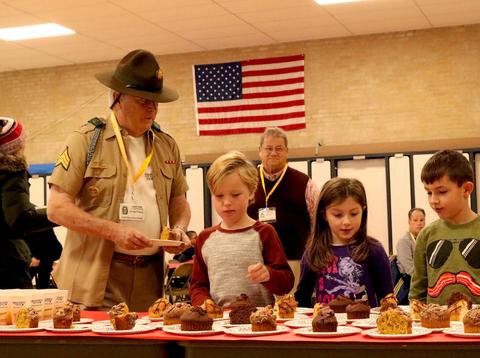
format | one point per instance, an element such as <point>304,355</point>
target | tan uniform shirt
<point>98,189</point>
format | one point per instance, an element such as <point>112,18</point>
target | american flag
<point>248,96</point>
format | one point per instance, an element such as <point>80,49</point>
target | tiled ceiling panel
<point>107,29</point>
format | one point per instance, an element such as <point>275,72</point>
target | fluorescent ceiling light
<point>34,32</point>
<point>331,2</point>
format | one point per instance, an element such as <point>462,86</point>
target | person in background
<point>45,249</point>
<point>18,215</point>
<point>340,258</point>
<point>188,254</point>
<point>406,247</point>
<point>447,252</point>
<point>285,197</point>
<point>239,255</point>
<point>114,187</point>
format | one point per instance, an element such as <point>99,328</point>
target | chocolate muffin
<point>339,304</point>
<point>195,319</point>
<point>263,320</point>
<point>358,310</point>
<point>242,308</point>
<point>63,317</point>
<point>325,321</point>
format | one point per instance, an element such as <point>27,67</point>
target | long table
<point>162,344</point>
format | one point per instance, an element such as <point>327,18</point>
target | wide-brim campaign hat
<point>138,74</point>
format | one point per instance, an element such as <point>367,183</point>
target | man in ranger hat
<point>114,187</point>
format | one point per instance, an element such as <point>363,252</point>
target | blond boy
<point>239,255</point>
<point>447,253</point>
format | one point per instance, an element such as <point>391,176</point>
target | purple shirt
<point>344,276</point>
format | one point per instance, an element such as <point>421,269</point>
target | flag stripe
<point>276,71</point>
<point>244,119</point>
<point>250,130</point>
<point>249,107</point>
<point>273,83</point>
<point>272,88</point>
<point>272,66</point>
<point>283,76</point>
<point>273,94</point>
<point>263,61</point>
<point>251,113</point>
<point>253,100</point>
<point>246,99</point>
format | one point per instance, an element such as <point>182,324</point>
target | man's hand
<point>258,273</point>
<point>179,235</point>
<point>130,239</point>
<point>35,262</point>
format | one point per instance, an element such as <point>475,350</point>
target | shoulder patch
<point>63,160</point>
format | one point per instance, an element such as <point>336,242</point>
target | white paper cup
<point>48,303</point>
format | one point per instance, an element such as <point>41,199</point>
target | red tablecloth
<point>288,337</point>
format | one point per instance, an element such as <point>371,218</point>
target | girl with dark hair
<point>340,258</point>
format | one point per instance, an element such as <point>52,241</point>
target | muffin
<point>75,310</point>
<point>394,321</point>
<point>325,321</point>
<point>158,307</point>
<point>471,321</point>
<point>319,307</point>
<point>195,319</point>
<point>63,317</point>
<point>416,308</point>
<point>358,310</point>
<point>435,316</point>
<point>339,304</point>
<point>26,317</point>
<point>213,310</point>
<point>388,302</point>
<point>121,318</point>
<point>285,306</point>
<point>458,305</point>
<point>173,313</point>
<point>263,319</point>
<point>241,309</point>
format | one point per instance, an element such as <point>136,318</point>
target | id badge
<point>131,211</point>
<point>267,215</point>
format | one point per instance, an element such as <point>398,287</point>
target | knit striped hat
<point>12,135</point>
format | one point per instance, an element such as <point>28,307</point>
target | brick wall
<point>406,86</point>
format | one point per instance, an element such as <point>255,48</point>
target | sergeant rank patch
<point>63,160</point>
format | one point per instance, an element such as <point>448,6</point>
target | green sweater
<point>447,260</point>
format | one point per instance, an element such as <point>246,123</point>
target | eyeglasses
<point>144,102</point>
<point>278,149</point>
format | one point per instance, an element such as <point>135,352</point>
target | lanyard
<point>262,177</point>
<point>132,177</point>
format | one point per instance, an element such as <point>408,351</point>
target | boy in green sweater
<point>447,252</point>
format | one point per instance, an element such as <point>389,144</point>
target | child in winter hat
<point>12,135</point>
